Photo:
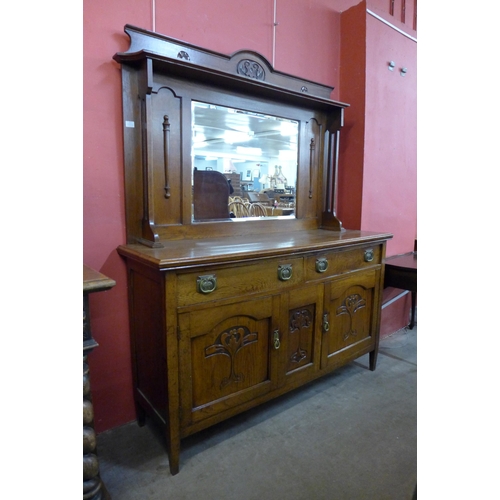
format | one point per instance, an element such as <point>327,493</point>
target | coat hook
<point>403,71</point>
<point>392,64</point>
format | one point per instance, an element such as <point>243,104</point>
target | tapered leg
<point>373,359</point>
<point>174,449</point>
<point>174,465</point>
<point>140,415</point>
<point>413,304</point>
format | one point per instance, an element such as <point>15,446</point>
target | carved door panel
<point>302,342</point>
<point>349,322</point>
<point>226,358</point>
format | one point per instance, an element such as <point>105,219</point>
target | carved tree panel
<point>350,311</point>
<point>228,355</point>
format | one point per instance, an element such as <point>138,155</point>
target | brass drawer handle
<point>321,265</point>
<point>326,324</point>
<point>276,339</point>
<point>206,284</point>
<point>369,255</point>
<point>285,272</point>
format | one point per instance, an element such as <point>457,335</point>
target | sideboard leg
<point>140,415</point>
<point>174,466</point>
<point>173,459</point>
<point>173,450</point>
<point>373,360</point>
<point>413,303</point>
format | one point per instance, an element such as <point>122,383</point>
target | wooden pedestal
<point>93,487</point>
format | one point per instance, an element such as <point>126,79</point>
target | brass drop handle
<point>321,265</point>
<point>326,324</point>
<point>285,272</point>
<point>276,339</point>
<point>206,284</point>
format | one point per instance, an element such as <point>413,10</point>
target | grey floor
<point>351,435</point>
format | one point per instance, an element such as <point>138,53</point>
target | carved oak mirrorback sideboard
<point>243,284</point>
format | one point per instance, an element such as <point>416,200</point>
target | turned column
<point>93,487</point>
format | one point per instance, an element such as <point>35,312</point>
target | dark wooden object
<point>93,487</point>
<point>225,315</point>
<point>235,183</point>
<point>401,272</point>
<point>210,195</point>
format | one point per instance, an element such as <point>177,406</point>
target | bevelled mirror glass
<point>256,153</point>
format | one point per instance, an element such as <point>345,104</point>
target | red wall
<point>103,203</point>
<point>390,136</point>
<point>390,163</point>
<point>308,44</point>
<point>378,163</point>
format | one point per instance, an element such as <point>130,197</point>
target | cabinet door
<point>302,339</point>
<point>226,357</point>
<point>350,320</point>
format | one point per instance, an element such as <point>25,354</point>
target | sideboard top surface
<point>178,254</point>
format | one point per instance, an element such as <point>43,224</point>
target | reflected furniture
<point>278,211</point>
<point>258,210</point>
<point>228,314</point>
<point>239,209</point>
<point>401,272</point>
<point>93,487</point>
<point>235,183</point>
<point>258,197</point>
<point>210,195</point>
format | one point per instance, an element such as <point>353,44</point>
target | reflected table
<point>277,211</point>
<point>401,272</point>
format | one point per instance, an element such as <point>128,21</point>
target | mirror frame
<point>161,76</point>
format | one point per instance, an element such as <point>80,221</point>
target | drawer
<point>222,283</point>
<point>323,265</point>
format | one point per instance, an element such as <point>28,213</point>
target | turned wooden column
<point>93,487</point>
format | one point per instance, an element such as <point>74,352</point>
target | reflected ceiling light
<point>287,154</point>
<point>232,136</point>
<point>249,151</point>
<point>288,128</point>
<point>198,138</point>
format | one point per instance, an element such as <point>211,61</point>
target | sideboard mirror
<point>194,119</point>
<point>258,151</point>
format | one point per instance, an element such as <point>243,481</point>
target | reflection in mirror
<point>256,153</point>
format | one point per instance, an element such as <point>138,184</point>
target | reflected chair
<point>258,210</point>
<point>236,198</point>
<point>239,209</point>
